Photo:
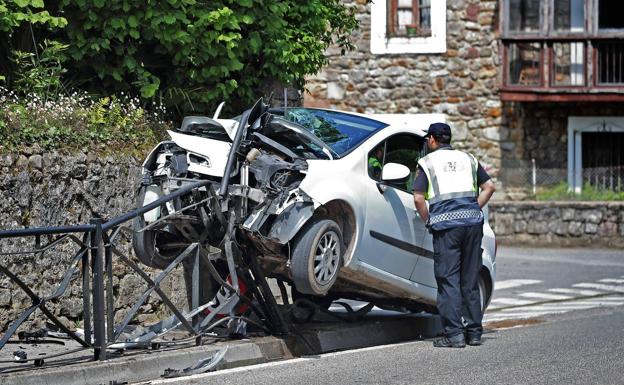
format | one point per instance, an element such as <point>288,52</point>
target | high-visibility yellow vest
<point>453,190</point>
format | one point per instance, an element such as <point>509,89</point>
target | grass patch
<point>589,193</point>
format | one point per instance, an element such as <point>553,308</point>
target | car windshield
<point>340,131</point>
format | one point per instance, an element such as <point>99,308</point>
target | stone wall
<point>580,224</point>
<point>462,83</point>
<point>50,189</point>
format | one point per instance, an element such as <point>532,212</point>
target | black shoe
<point>454,342</point>
<point>474,341</point>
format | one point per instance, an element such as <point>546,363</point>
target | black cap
<point>439,129</point>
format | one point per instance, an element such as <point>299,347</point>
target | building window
<point>409,18</point>
<point>524,16</point>
<point>525,63</point>
<point>571,45</point>
<point>610,14</point>
<point>568,64</point>
<point>603,161</point>
<point>569,15</point>
<point>408,26</point>
<point>595,148</point>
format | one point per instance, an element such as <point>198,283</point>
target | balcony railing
<point>610,63</point>
<point>563,69</point>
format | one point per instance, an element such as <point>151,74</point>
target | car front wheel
<point>317,257</point>
<point>154,248</point>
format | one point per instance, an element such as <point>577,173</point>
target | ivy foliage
<point>189,52</point>
<point>16,14</point>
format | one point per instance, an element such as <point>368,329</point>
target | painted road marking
<point>584,295</point>
<point>575,291</point>
<point>508,284</point>
<point>545,296</point>
<point>553,308</point>
<point>611,280</point>
<point>600,286</point>
<point>511,301</point>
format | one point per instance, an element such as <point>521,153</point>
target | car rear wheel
<point>154,248</point>
<point>317,257</point>
<point>483,294</point>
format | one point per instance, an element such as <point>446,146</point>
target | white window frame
<point>381,44</point>
<point>576,126</point>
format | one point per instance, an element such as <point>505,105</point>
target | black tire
<point>483,293</point>
<point>317,257</point>
<point>150,246</point>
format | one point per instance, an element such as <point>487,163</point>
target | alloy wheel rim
<point>326,257</point>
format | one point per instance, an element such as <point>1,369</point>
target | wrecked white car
<point>297,186</point>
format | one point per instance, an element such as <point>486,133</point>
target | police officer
<point>448,179</point>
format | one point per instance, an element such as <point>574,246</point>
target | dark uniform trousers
<point>457,261</point>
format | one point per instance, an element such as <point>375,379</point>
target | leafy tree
<point>192,53</point>
<point>20,16</point>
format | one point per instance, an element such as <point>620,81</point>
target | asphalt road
<point>558,267</point>
<point>566,326</point>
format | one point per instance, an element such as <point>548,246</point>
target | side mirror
<point>394,172</point>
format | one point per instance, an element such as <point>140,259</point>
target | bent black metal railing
<point>95,255</point>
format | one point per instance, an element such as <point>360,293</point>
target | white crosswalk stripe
<point>551,308</point>
<point>511,301</point>
<point>584,295</point>
<point>576,292</point>
<point>508,284</point>
<point>600,286</point>
<point>516,315</point>
<point>544,296</point>
<point>611,280</point>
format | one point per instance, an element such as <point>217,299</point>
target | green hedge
<point>190,55</point>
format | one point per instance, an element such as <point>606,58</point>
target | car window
<point>340,131</point>
<point>376,160</point>
<point>404,149</point>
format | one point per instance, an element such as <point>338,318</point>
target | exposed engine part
<point>252,155</point>
<point>266,166</point>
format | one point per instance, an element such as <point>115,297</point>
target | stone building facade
<point>461,82</point>
<point>498,70</point>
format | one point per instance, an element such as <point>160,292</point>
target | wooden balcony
<point>563,70</point>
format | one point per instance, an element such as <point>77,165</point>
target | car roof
<point>410,122</point>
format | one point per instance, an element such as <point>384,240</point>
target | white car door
<point>392,230</point>
<point>423,273</point>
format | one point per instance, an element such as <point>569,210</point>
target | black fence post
<point>110,305</point>
<point>97,257</point>
<point>86,292</point>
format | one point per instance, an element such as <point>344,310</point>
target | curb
<point>151,366</point>
<point>309,339</point>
